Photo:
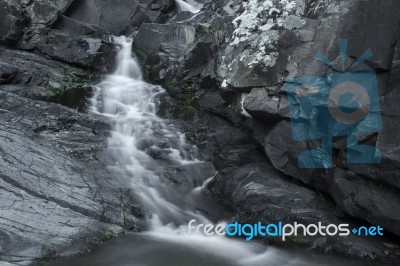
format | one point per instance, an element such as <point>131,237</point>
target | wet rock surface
<point>57,195</point>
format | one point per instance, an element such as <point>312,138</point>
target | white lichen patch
<point>224,84</point>
<point>258,26</point>
<point>257,53</point>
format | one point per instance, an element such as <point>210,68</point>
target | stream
<point>140,144</point>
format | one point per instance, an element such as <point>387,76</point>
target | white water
<point>131,104</point>
<point>185,6</point>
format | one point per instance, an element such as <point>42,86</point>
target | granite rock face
<point>271,42</point>
<point>12,21</point>
<point>57,196</point>
<point>238,68</point>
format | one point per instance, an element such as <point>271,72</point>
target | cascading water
<point>185,6</point>
<point>131,104</point>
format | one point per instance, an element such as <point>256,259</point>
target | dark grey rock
<point>288,50</point>
<point>366,199</point>
<point>258,193</point>
<point>96,53</point>
<point>57,196</point>
<point>43,14</point>
<point>75,27</point>
<point>110,15</point>
<point>267,105</point>
<point>12,21</point>
<point>151,37</point>
<point>36,77</point>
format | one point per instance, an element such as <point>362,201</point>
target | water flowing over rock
<point>141,157</point>
<point>186,6</point>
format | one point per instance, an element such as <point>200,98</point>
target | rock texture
<point>55,189</point>
<point>226,70</point>
<point>58,197</point>
<point>237,68</point>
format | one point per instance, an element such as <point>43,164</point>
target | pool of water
<point>150,249</point>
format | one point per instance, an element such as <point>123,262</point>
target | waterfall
<point>185,6</point>
<point>130,104</point>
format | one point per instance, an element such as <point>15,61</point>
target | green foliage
<point>192,40</point>
<point>51,34</point>
<point>169,83</point>
<point>105,234</point>
<point>141,55</point>
<point>73,80</point>
<point>41,257</point>
<point>212,31</point>
<point>301,240</point>
<point>191,97</point>
<point>72,91</point>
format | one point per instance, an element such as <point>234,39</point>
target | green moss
<point>191,97</point>
<point>105,234</point>
<point>141,55</point>
<point>301,240</point>
<point>73,90</point>
<point>212,31</point>
<point>182,112</point>
<point>169,83</point>
<point>192,40</point>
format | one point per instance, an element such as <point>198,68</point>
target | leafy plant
<point>141,55</point>
<point>191,97</point>
<point>169,83</point>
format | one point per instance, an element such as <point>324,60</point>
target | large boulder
<point>272,43</point>
<point>258,193</point>
<point>42,15</point>
<point>33,76</point>
<point>153,37</point>
<point>12,21</point>
<point>111,15</point>
<point>57,196</point>
<point>90,52</point>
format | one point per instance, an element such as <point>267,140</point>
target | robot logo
<point>342,103</point>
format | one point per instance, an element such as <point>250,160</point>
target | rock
<point>267,105</point>
<point>43,14</point>
<point>177,176</point>
<point>36,77</point>
<point>112,16</point>
<point>366,199</point>
<point>152,37</point>
<point>255,192</point>
<point>96,53</point>
<point>269,50</point>
<point>76,28</point>
<point>12,21</point>
<point>257,52</point>
<point>162,5</point>
<point>54,182</point>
